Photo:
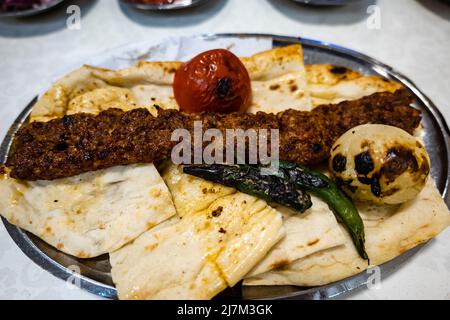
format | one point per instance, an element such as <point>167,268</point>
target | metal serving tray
<point>95,274</point>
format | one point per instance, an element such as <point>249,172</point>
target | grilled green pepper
<point>287,187</point>
<point>248,179</point>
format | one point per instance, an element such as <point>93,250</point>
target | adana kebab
<point>82,142</point>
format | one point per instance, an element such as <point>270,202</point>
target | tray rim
<point>328,291</point>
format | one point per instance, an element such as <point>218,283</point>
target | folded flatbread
<point>328,84</point>
<point>390,231</point>
<point>307,233</point>
<point>200,255</point>
<point>90,214</point>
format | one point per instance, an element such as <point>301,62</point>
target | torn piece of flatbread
<point>390,231</point>
<point>328,84</point>
<point>306,233</point>
<point>200,255</point>
<point>190,193</point>
<point>90,214</point>
<point>278,80</point>
<point>88,90</point>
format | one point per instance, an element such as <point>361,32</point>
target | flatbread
<point>87,90</point>
<point>314,230</point>
<point>90,214</point>
<point>200,255</point>
<point>329,84</point>
<point>390,231</point>
<point>278,80</point>
<point>190,193</point>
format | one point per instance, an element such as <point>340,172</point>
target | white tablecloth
<point>414,38</point>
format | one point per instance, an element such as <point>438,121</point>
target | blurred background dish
<point>326,2</point>
<point>25,8</point>
<point>163,4</point>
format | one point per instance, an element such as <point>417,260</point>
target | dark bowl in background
<point>326,2</point>
<point>30,12</point>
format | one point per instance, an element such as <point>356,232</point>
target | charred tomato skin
<point>215,80</point>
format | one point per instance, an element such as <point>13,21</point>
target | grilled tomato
<point>215,80</point>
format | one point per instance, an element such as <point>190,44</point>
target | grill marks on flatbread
<point>279,80</point>
<point>328,84</point>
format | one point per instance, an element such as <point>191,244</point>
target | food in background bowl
<point>326,2</point>
<point>16,5</point>
<point>380,163</point>
<point>156,2</point>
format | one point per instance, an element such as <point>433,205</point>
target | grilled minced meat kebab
<point>84,142</point>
